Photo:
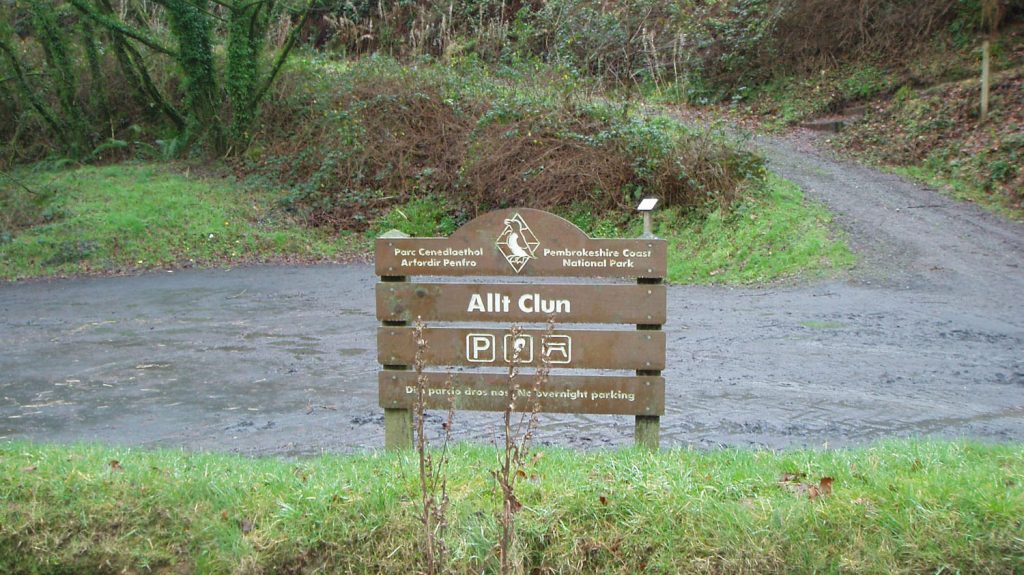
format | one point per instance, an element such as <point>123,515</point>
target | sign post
<point>647,430</point>
<point>397,420</point>
<point>523,243</point>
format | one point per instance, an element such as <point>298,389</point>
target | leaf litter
<point>793,482</point>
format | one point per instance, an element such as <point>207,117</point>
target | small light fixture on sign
<point>646,207</point>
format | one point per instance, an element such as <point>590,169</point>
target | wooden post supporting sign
<point>397,420</point>
<point>628,349</point>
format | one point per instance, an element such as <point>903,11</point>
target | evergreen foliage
<point>190,24</point>
<point>159,65</point>
<point>53,42</point>
<point>247,28</point>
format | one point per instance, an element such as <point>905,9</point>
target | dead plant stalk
<point>433,476</point>
<point>517,438</point>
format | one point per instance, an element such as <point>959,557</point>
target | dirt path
<point>926,336</point>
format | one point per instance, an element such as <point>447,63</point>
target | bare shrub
<point>812,32</point>
<point>513,452</point>
<point>737,43</point>
<point>432,472</point>
<point>510,165</point>
<point>412,138</point>
<point>414,27</point>
<point>386,137</point>
<point>383,135</point>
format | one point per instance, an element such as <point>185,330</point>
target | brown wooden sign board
<point>597,394</point>
<point>521,303</point>
<point>482,347</point>
<point>521,242</point>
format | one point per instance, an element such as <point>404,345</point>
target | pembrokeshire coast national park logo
<point>517,242</point>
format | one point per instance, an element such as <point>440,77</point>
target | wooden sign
<point>522,243</point>
<point>523,303</point>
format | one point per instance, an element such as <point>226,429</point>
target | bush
<point>349,142</point>
<point>419,217</point>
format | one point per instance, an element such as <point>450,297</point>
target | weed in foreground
<point>433,480</point>
<point>512,456</point>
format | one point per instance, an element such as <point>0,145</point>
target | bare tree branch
<point>293,36</point>
<point>28,92</point>
<point>120,27</point>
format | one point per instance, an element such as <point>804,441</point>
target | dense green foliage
<point>204,66</point>
<point>715,48</point>
<point>62,56</point>
<point>897,507</point>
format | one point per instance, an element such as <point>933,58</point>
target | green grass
<point>896,507</point>
<point>139,216</point>
<point>774,234</point>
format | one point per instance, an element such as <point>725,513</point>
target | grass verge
<point>771,235</point>
<point>895,507</point>
<point>139,216</point>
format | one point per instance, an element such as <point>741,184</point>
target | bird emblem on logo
<point>517,242</point>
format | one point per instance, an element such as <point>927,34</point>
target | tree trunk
<point>190,24</point>
<point>247,26</point>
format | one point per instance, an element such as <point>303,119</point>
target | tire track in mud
<point>925,336</point>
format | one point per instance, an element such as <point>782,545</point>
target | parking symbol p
<point>480,347</point>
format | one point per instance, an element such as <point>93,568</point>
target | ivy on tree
<point>212,106</point>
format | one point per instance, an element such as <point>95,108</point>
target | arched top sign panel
<point>521,242</point>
